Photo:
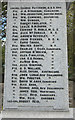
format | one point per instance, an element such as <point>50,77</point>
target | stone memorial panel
<point>36,74</point>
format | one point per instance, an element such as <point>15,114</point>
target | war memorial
<point>36,64</point>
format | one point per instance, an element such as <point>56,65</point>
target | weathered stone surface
<point>36,74</point>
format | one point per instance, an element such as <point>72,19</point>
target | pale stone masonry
<point>36,71</point>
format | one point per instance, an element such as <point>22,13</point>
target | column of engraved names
<point>35,31</point>
<point>32,66</point>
